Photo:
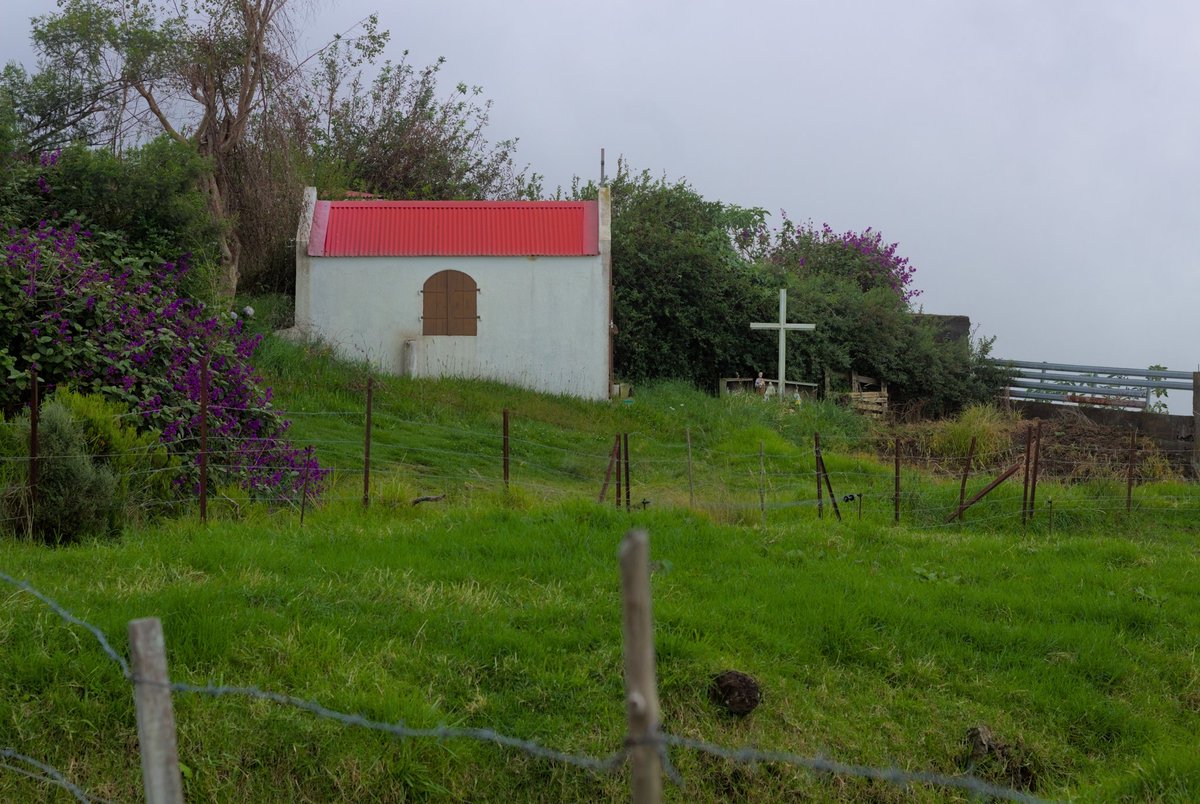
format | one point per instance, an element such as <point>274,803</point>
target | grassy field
<point>1074,643</point>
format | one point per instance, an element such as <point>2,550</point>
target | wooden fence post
<point>367,444</point>
<point>641,688</point>
<point>506,449</point>
<point>962,487</point>
<point>691,484</point>
<point>896,496</point>
<point>204,439</point>
<point>155,718</point>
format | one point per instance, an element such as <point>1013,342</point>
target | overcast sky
<point>1038,162</point>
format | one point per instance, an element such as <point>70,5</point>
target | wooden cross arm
<point>804,327</point>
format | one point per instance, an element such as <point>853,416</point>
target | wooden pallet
<point>870,403</point>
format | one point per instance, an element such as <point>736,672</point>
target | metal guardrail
<point>1109,386</point>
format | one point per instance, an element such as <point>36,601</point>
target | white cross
<point>783,326</point>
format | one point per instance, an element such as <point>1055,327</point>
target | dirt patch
<point>734,691</point>
<point>994,760</point>
<point>1073,449</point>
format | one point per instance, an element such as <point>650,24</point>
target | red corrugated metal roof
<point>454,228</point>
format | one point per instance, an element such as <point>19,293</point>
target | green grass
<point>874,644</point>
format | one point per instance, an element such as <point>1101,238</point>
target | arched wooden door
<point>449,304</point>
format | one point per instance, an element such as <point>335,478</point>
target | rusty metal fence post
<point>1025,483</point>
<point>204,439</point>
<point>691,483</point>
<point>1129,470</point>
<point>620,468</point>
<point>612,460</point>
<point>896,495</point>
<point>506,449</point>
<point>762,474</point>
<point>628,483</point>
<point>367,444</point>
<point>35,406</point>
<point>1037,462</point>
<point>308,452</point>
<point>966,473</point>
<point>817,472</point>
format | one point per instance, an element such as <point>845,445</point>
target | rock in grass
<point>736,692</point>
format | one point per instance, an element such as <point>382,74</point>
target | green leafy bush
<point>124,329</point>
<point>96,473</point>
<point>858,291</point>
<point>75,496</point>
<point>683,298</point>
<point>145,472</point>
<point>145,203</point>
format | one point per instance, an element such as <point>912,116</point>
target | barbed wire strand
<point>598,764</point>
<point>71,618</point>
<point>399,729</point>
<point>896,776</point>
<point>48,774</point>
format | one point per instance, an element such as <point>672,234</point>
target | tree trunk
<point>227,239</point>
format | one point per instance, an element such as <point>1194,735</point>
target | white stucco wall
<point>543,321</point>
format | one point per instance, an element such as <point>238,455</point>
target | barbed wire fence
<point>646,747</point>
<point>424,456</point>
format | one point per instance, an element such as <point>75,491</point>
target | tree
<point>221,77</point>
<point>396,137</point>
<point>197,73</point>
<point>50,108</point>
<point>683,298</point>
<point>859,292</point>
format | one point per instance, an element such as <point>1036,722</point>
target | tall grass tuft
<point>991,427</point>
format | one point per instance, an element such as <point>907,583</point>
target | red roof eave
<point>454,228</point>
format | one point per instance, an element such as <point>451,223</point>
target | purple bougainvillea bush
<point>862,257</point>
<point>121,326</point>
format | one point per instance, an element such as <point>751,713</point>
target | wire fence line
<point>53,605</point>
<point>398,425</point>
<point>923,504</point>
<point>45,773</point>
<point>660,740</point>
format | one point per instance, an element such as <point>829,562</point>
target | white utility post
<point>783,326</point>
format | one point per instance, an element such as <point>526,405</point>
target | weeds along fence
<point>1033,480</point>
<point>1040,478</point>
<point>646,747</point>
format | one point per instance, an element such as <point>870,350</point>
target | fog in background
<point>1038,163</point>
